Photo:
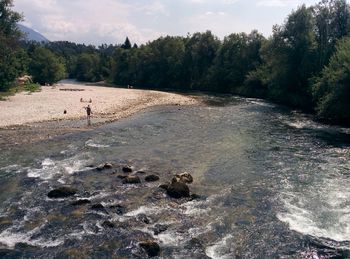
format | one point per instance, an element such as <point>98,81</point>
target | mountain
<point>32,35</point>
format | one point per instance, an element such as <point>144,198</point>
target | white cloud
<point>279,3</point>
<point>93,21</point>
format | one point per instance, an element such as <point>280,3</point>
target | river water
<point>271,183</point>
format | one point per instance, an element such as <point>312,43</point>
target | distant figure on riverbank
<point>81,100</point>
<point>88,113</point>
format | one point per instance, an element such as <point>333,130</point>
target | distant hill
<point>32,35</point>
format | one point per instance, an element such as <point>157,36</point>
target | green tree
<point>127,44</point>
<point>332,89</point>
<point>88,68</point>
<point>200,52</point>
<point>288,60</point>
<point>46,67</point>
<point>10,54</point>
<point>236,57</point>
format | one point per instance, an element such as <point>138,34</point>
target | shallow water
<point>272,183</point>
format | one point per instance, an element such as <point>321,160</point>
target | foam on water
<point>50,168</point>
<point>222,249</point>
<point>91,143</point>
<point>321,209</point>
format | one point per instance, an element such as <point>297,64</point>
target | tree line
<point>305,63</point>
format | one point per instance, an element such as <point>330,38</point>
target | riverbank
<point>28,117</point>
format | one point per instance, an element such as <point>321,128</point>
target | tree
<point>127,44</point>
<point>45,67</point>
<point>288,60</point>
<point>236,57</point>
<point>200,52</point>
<point>10,67</point>
<point>332,89</point>
<point>88,68</point>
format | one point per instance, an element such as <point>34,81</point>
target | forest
<point>304,64</point>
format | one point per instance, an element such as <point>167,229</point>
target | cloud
<point>279,3</point>
<point>93,21</point>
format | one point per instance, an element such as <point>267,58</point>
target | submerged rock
<point>98,207</point>
<point>141,172</point>
<point>131,180</point>
<point>119,209</point>
<point>62,192</point>
<point>108,224</point>
<point>158,228</point>
<point>80,202</point>
<point>178,190</point>
<point>143,218</point>
<point>126,169</point>
<point>152,248</point>
<point>151,178</point>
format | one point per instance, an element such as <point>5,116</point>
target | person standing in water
<point>88,113</point>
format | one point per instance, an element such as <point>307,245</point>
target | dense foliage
<point>304,63</point>
<point>11,56</point>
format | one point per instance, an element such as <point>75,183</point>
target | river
<point>271,183</point>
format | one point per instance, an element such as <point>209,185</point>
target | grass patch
<point>27,87</point>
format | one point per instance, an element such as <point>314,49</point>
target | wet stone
<point>158,228</point>
<point>140,172</point>
<point>131,180</point>
<point>143,218</point>
<point>81,202</point>
<point>151,248</point>
<point>151,178</point>
<point>178,190</point>
<point>108,224</point>
<point>118,209</point>
<point>104,166</point>
<point>62,192</point>
<point>98,207</point>
<point>126,169</point>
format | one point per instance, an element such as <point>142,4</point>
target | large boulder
<point>178,190</point>
<point>151,178</point>
<point>151,248</point>
<point>62,192</point>
<point>184,178</point>
<point>132,179</point>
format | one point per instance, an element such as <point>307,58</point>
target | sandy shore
<point>108,103</point>
<point>27,118</point>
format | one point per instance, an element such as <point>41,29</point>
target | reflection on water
<point>272,183</point>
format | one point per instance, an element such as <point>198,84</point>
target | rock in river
<point>151,178</point>
<point>62,192</point>
<point>184,178</point>
<point>105,166</point>
<point>80,202</point>
<point>126,169</point>
<point>178,190</point>
<point>151,247</point>
<point>131,180</point>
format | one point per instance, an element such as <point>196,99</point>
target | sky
<point>110,21</point>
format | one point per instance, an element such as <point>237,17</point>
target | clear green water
<point>272,182</point>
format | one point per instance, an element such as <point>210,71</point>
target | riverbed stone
<point>178,190</point>
<point>104,166</point>
<point>164,186</point>
<point>118,209</point>
<point>151,178</point>
<point>143,218</point>
<point>80,202</point>
<point>62,192</point>
<point>159,228</point>
<point>152,248</point>
<point>108,224</point>
<point>132,179</point>
<point>127,169</point>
